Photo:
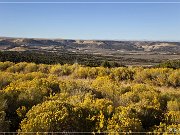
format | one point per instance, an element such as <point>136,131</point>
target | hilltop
<point>91,46</point>
<point>135,52</point>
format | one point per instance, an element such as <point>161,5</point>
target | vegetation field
<point>76,98</point>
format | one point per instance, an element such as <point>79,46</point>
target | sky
<point>107,21</point>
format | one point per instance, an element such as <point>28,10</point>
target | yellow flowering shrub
<point>71,98</point>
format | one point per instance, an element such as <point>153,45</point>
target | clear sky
<point>153,21</point>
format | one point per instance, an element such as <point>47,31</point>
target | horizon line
<point>86,39</point>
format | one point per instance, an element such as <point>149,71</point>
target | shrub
<point>5,65</point>
<point>174,78</point>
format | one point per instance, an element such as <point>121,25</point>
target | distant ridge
<point>89,39</point>
<point>92,46</point>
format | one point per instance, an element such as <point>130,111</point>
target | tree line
<point>58,58</point>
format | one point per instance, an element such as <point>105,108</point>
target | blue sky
<point>91,21</point>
